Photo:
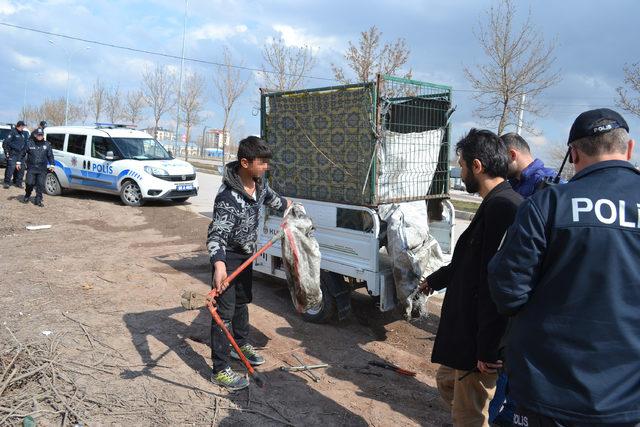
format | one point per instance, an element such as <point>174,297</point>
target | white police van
<point>116,159</point>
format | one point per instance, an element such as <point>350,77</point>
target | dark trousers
<point>11,175</point>
<point>526,418</point>
<point>233,310</point>
<point>36,178</point>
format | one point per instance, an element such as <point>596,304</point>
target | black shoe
<point>5,185</point>
<point>24,199</point>
<point>38,203</point>
<point>18,185</point>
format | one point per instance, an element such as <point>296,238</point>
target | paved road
<point>209,184</point>
<point>463,195</point>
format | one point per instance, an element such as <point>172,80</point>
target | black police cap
<point>594,122</point>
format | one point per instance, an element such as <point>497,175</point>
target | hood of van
<point>173,166</point>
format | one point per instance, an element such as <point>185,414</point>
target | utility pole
<point>69,55</point>
<point>203,142</point>
<point>521,115</point>
<point>184,31</point>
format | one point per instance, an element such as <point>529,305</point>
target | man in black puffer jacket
<point>14,146</point>
<point>38,159</point>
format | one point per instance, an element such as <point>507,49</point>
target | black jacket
<point>569,271</point>
<point>38,155</point>
<point>15,143</point>
<point>470,327</point>
<point>236,215</point>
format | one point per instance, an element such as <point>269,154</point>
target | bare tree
<point>285,66</point>
<point>192,101</point>
<point>229,87</point>
<point>113,104</point>
<point>520,63</point>
<point>132,107</point>
<point>370,57</point>
<point>97,99</point>
<point>630,103</point>
<point>30,114</point>
<point>556,156</point>
<point>158,86</point>
<point>52,110</point>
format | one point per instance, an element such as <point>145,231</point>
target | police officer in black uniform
<point>39,159</point>
<point>42,125</point>
<point>568,272</point>
<point>14,146</point>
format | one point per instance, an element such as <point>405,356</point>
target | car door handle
<point>88,164</point>
<point>84,164</point>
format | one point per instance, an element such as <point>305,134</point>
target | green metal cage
<point>363,144</point>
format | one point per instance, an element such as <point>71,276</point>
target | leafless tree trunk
<point>519,63</point>
<point>97,99</point>
<point>369,57</point>
<point>114,104</point>
<point>229,86</point>
<point>285,67</point>
<point>630,103</point>
<point>192,101</point>
<point>158,87</point>
<point>132,108</point>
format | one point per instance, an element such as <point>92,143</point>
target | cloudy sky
<point>595,40</point>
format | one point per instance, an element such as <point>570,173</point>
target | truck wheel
<point>327,309</point>
<point>130,194</point>
<point>52,185</point>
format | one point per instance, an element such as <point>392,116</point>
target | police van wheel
<point>130,194</point>
<point>327,308</point>
<point>181,199</point>
<point>52,185</point>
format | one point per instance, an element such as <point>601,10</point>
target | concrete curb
<point>467,216</point>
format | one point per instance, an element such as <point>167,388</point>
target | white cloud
<point>10,8</point>
<point>217,32</point>
<point>300,38</point>
<point>538,140</point>
<point>26,62</point>
<point>58,77</point>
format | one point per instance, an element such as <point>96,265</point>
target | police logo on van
<point>102,168</point>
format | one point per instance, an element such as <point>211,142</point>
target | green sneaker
<point>250,353</point>
<point>230,380</point>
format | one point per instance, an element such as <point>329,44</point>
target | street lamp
<point>184,31</point>
<point>26,80</point>
<point>69,55</point>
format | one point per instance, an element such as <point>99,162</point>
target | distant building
<point>162,135</point>
<point>216,138</point>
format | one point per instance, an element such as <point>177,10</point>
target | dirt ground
<point>106,280</point>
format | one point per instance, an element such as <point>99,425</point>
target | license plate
<point>184,187</point>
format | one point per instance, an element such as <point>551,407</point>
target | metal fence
<point>363,144</point>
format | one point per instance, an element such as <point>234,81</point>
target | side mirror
<point>170,153</point>
<point>109,155</point>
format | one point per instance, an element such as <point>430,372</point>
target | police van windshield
<point>141,149</point>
